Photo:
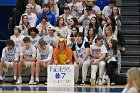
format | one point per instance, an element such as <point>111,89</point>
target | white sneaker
<point>100,81</point>
<point>46,83</point>
<point>92,81</point>
<point>108,81</point>
<point>31,81</point>
<point>19,81</point>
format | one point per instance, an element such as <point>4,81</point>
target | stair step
<point>130,1</point>
<point>130,64</point>
<point>126,4</point>
<point>131,13</point>
<point>130,27</point>
<point>131,22</point>
<point>132,42</point>
<point>130,18</point>
<point>132,37</point>
<point>131,59</point>
<point>130,9</point>
<point>131,32</point>
<point>131,53</point>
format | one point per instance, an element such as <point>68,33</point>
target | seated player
<point>81,58</point>
<point>10,55</point>
<point>27,59</point>
<point>44,58</point>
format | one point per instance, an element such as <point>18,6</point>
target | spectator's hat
<point>66,8</point>
<point>29,6</point>
<point>18,28</point>
<point>33,29</point>
<point>51,28</point>
<point>41,42</point>
<point>88,8</point>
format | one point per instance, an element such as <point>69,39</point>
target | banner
<point>60,75</point>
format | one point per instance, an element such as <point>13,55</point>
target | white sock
<point>32,77</point>
<point>20,78</point>
<point>0,77</point>
<point>15,77</point>
<point>37,79</point>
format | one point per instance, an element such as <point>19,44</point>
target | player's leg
<point>32,65</point>
<point>15,72</point>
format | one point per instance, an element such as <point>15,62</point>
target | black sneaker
<point>1,81</point>
<point>36,83</point>
<point>14,81</point>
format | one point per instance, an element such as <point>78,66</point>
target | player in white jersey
<point>44,58</point>
<point>10,57</point>
<point>27,59</point>
<point>97,54</point>
<point>51,39</point>
<point>17,37</point>
<point>81,57</point>
<point>34,37</point>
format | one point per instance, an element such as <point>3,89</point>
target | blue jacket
<point>51,18</point>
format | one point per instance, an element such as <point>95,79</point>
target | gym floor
<point>25,88</point>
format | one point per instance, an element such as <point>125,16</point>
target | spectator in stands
<point>62,54</point>
<point>61,28</point>
<point>25,25</point>
<point>81,58</point>
<point>94,23</point>
<point>10,57</point>
<point>54,8</point>
<point>46,12</point>
<point>66,15</point>
<point>17,37</point>
<point>107,10</point>
<point>112,61</point>
<point>108,35</point>
<point>34,37</point>
<point>27,59</point>
<point>118,18</point>
<point>31,16</point>
<point>76,8</point>
<point>72,23</point>
<point>98,53</point>
<point>102,3</point>
<point>95,9</point>
<point>112,22</point>
<point>20,9</point>
<point>42,27</point>
<point>36,8</point>
<point>51,39</point>
<point>71,39</point>
<point>44,58</point>
<point>85,19</point>
<point>61,5</point>
<point>133,81</point>
<point>92,34</point>
<point>115,13</point>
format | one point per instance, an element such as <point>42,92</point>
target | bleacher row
<point>42,74</point>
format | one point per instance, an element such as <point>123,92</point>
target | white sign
<point>60,75</point>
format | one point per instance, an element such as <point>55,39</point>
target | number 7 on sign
<point>63,74</point>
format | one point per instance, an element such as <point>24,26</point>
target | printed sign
<point>60,75</point>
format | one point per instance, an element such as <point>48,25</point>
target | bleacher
<point>130,12</point>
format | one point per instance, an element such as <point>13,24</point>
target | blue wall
<point>7,2</point>
<point>6,11</point>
